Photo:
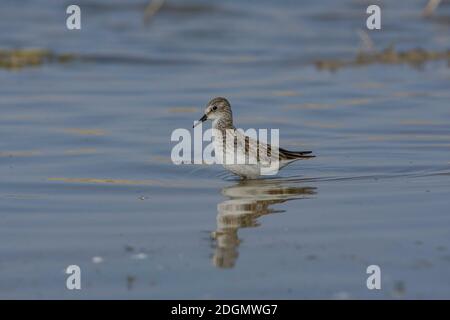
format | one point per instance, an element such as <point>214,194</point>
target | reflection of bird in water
<point>248,200</point>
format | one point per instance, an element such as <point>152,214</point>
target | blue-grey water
<point>86,177</point>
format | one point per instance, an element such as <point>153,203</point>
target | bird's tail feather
<point>295,154</point>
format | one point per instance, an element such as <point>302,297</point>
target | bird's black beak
<point>202,119</point>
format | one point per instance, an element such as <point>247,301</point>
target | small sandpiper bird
<point>250,157</point>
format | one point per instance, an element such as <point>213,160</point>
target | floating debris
<point>12,59</point>
<point>414,57</point>
<point>20,58</point>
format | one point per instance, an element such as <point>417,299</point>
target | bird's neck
<point>223,124</point>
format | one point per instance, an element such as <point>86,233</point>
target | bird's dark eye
<point>214,108</point>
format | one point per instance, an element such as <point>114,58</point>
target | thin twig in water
<point>366,42</point>
<point>430,7</point>
<point>152,8</point>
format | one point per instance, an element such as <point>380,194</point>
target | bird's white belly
<point>236,163</point>
<point>249,171</point>
<point>241,163</point>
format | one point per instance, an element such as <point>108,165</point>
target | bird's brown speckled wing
<point>261,150</point>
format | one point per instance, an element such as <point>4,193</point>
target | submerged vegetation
<point>21,58</point>
<point>413,57</point>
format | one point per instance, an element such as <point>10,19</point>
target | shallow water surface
<point>86,175</point>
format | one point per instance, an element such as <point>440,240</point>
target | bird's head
<point>216,109</point>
